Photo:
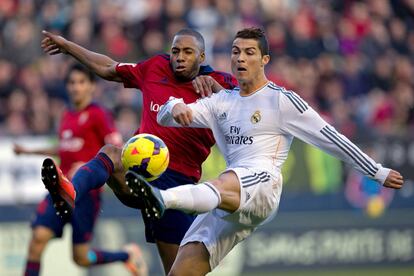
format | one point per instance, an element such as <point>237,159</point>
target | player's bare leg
<point>40,237</point>
<point>223,193</point>
<point>228,186</point>
<point>83,256</point>
<point>168,253</point>
<point>192,260</point>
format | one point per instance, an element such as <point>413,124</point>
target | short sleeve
<point>105,127</point>
<point>132,74</point>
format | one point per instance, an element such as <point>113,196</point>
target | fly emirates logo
<point>236,139</point>
<point>155,107</point>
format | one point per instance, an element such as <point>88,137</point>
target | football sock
<point>199,198</point>
<point>97,257</point>
<point>92,175</point>
<point>32,268</point>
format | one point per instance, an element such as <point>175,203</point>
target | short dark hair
<point>257,34</point>
<point>195,34</point>
<point>82,69</point>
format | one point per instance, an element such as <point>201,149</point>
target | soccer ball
<point>145,154</point>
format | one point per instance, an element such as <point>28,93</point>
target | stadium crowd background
<point>351,60</point>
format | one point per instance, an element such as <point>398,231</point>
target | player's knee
<point>37,244</point>
<point>114,153</point>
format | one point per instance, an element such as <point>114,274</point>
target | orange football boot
<point>60,189</point>
<point>136,263</point>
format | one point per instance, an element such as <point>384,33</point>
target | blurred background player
<point>179,74</point>
<point>84,128</point>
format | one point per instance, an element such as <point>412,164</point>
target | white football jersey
<point>257,130</point>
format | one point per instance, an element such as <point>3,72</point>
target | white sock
<point>199,198</point>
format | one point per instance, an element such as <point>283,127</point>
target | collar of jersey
<point>255,91</point>
<point>205,70</point>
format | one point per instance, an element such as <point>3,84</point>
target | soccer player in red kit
<point>179,74</point>
<point>84,128</point>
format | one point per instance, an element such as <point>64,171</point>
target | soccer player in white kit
<point>254,126</point>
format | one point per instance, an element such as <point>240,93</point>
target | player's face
<point>186,57</point>
<point>247,62</point>
<point>80,88</point>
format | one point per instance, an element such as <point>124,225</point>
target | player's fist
<point>394,180</point>
<point>18,149</point>
<point>182,114</point>
<point>53,44</point>
<point>206,85</point>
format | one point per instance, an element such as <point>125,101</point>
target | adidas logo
<point>223,116</point>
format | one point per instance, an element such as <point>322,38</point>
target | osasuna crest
<point>256,117</point>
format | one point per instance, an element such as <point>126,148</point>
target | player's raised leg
<point>92,175</point>
<point>60,188</point>
<point>223,192</point>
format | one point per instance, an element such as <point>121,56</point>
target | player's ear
<point>265,60</point>
<point>202,56</point>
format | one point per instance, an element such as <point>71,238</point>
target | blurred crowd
<point>351,60</point>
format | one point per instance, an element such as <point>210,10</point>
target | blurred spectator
<point>351,60</point>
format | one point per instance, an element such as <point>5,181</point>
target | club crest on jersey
<point>256,117</point>
<point>83,118</point>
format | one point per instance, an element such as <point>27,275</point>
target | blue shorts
<point>172,227</point>
<point>83,218</point>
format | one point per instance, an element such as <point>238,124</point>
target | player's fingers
<point>50,48</point>
<point>189,117</point>
<point>196,86</point>
<point>55,52</point>
<point>394,185</point>
<point>47,34</point>
<point>45,41</point>
<point>206,88</point>
<point>184,120</point>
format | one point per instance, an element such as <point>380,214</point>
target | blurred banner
<point>294,241</point>
<point>20,180</point>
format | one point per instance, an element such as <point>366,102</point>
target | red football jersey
<point>188,147</point>
<point>83,133</point>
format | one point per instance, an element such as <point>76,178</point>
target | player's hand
<point>53,44</point>
<point>394,180</point>
<point>182,114</point>
<point>206,85</point>
<point>18,149</point>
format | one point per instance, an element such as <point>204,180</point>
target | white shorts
<point>220,231</point>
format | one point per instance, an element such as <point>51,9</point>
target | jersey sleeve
<point>297,118</point>
<point>105,127</point>
<point>202,109</point>
<point>132,74</point>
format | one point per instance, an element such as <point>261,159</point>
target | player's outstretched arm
<point>394,180</point>
<point>100,64</point>
<point>19,149</point>
<point>300,120</point>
